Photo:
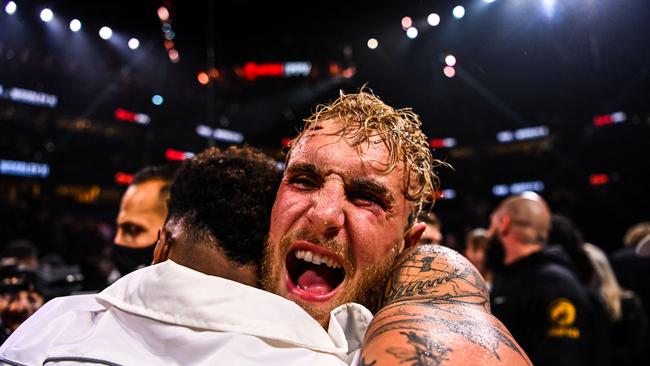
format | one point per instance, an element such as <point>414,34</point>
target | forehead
<point>142,199</point>
<point>329,150</point>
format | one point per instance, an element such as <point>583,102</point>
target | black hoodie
<point>540,300</point>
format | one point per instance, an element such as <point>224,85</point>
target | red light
<point>203,78</point>
<point>603,120</point>
<point>174,155</point>
<point>335,69</point>
<point>252,70</point>
<point>286,142</point>
<point>598,179</point>
<point>437,143</point>
<point>123,179</point>
<point>214,73</point>
<point>124,115</point>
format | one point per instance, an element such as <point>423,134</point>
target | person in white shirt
<point>196,305</point>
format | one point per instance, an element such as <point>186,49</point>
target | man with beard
<point>142,213</point>
<point>536,293</point>
<point>355,180</point>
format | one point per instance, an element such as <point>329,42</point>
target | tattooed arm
<point>437,312</point>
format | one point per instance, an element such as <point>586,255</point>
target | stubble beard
<point>367,288</point>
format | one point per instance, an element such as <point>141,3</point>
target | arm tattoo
<point>425,352</point>
<point>421,276</point>
<point>435,293</point>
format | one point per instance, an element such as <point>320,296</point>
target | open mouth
<point>313,275</point>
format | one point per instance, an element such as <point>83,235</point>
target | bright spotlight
<point>163,13</point>
<point>449,71</point>
<point>11,8</point>
<point>407,22</point>
<point>549,7</point>
<point>412,32</point>
<point>75,25</point>
<point>105,32</point>
<point>458,12</point>
<point>489,1</point>
<point>433,19</point>
<point>372,43</point>
<point>450,60</point>
<point>134,43</point>
<point>46,15</point>
<point>157,100</point>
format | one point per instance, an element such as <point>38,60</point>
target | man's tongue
<point>312,281</point>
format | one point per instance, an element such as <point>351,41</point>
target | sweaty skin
<point>436,312</point>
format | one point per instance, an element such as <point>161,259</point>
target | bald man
<point>142,213</point>
<point>536,295</point>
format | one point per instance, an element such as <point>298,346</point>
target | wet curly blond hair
<point>365,116</point>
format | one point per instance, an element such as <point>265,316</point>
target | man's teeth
<point>316,258</point>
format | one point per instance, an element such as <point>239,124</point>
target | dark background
<point>519,65</point>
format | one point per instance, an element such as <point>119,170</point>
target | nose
<point>326,212</point>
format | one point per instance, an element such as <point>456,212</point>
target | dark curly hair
<point>227,195</point>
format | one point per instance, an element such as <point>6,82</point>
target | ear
<point>163,247</point>
<point>413,234</point>
<point>504,225</point>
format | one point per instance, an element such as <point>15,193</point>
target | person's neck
<point>519,251</point>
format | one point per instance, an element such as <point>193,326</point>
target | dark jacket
<point>548,311</point>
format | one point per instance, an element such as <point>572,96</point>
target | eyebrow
<point>303,168</point>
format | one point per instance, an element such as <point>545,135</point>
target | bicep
<point>436,311</point>
<point>448,335</point>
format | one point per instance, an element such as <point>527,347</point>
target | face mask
<point>129,259</point>
<point>494,253</point>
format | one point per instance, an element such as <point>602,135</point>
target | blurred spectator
<point>476,244</point>
<point>633,272</point>
<point>536,295</point>
<point>142,213</point>
<point>19,297</point>
<point>624,310</point>
<point>432,234</point>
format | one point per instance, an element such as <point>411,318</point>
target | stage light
<point>459,12</point>
<point>170,35</point>
<point>449,71</point>
<point>163,13</point>
<point>105,32</point>
<point>412,32</point>
<point>372,43</point>
<point>157,100</point>
<point>433,19</point>
<point>46,15</point>
<point>134,43</point>
<point>450,60</point>
<point>203,78</point>
<point>11,8</point>
<point>549,7</point>
<point>75,25</point>
<point>166,27</point>
<point>489,1</point>
<point>407,22</point>
<point>173,55</point>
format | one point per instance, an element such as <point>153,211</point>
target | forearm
<point>436,312</point>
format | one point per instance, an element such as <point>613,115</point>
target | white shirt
<point>168,314</point>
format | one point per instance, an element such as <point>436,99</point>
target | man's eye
<point>132,230</point>
<point>363,199</point>
<point>303,182</point>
